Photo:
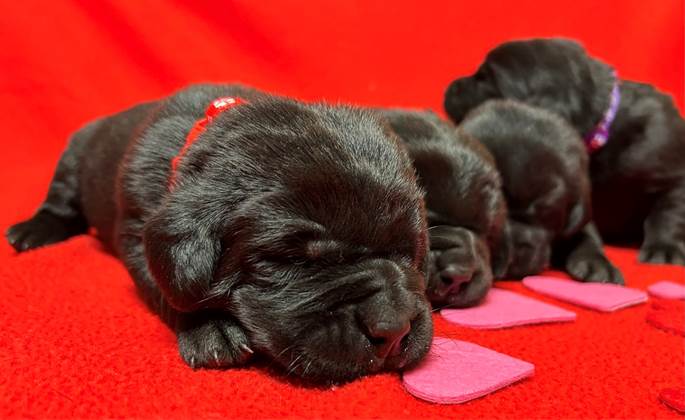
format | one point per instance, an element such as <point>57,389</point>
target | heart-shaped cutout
<point>603,297</point>
<point>502,308</point>
<point>667,290</point>
<point>456,371</point>
<point>667,315</point>
<point>674,398</point>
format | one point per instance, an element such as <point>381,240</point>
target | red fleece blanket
<point>76,341</point>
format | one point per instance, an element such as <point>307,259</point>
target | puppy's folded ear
<point>182,253</point>
<point>502,252</point>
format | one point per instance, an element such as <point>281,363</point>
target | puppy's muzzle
<point>456,267</point>
<point>458,264</point>
<point>387,318</point>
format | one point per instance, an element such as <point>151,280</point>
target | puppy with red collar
<point>259,225</point>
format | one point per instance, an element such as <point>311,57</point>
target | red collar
<point>217,106</point>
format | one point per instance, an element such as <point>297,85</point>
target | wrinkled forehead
<point>360,216</point>
<point>363,212</point>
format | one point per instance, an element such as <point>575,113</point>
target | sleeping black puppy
<point>544,171</point>
<point>297,231</point>
<point>633,132</point>
<point>465,206</point>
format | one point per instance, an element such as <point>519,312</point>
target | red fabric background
<point>74,338</point>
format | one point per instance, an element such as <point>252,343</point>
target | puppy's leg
<point>60,216</point>
<point>583,258</point>
<point>211,340</point>
<point>664,241</point>
<point>206,339</point>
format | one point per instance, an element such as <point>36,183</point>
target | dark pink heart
<point>502,309</point>
<point>456,371</point>
<point>599,296</point>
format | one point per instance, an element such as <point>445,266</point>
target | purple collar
<point>598,137</point>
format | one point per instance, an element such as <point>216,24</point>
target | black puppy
<point>465,205</point>
<point>297,231</point>
<point>544,171</point>
<point>637,162</point>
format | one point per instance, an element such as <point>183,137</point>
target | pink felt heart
<point>603,297</point>
<point>502,309</point>
<point>667,290</point>
<point>456,371</point>
<point>667,314</point>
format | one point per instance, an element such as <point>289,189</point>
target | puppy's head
<point>306,225</point>
<point>555,74</point>
<point>334,292</point>
<point>544,171</point>
<point>466,208</point>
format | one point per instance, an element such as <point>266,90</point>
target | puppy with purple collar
<point>544,171</point>
<point>634,134</point>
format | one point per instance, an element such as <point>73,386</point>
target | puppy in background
<point>634,134</point>
<point>295,231</point>
<point>465,205</point>
<point>544,171</point>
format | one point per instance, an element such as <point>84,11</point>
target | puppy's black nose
<point>451,279</point>
<point>387,338</point>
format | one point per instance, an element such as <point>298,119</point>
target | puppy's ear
<point>502,252</point>
<point>181,253</point>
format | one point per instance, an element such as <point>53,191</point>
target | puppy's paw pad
<point>42,229</point>
<point>214,343</point>
<point>595,269</point>
<point>663,253</point>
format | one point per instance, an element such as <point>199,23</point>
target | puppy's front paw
<point>593,268</point>
<point>42,229</point>
<point>663,253</point>
<point>212,342</point>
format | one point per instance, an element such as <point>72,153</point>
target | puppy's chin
<point>320,327</point>
<point>330,364</point>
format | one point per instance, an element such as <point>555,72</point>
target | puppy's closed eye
<point>305,248</point>
<point>331,251</point>
<point>325,249</point>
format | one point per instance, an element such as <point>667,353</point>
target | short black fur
<point>296,231</point>
<point>638,178</point>
<point>466,208</point>
<point>544,171</point>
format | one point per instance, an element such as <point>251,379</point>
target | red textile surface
<point>674,398</point>
<point>668,315</point>
<point>75,340</point>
